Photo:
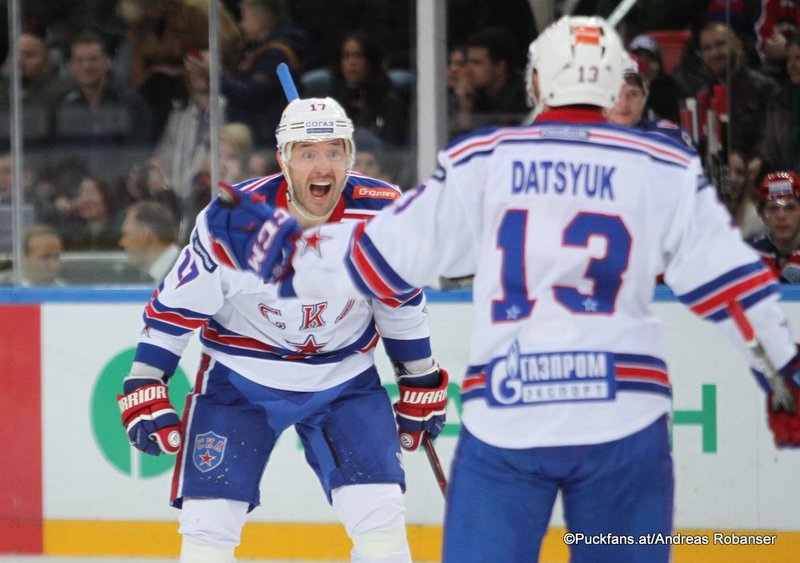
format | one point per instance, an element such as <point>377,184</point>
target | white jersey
<point>291,344</point>
<point>566,224</point>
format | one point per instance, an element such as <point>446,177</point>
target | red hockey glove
<point>152,424</point>
<point>421,408</point>
<point>785,425</point>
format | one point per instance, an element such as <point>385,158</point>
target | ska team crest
<point>209,449</point>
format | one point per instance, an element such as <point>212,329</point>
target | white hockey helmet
<point>313,120</point>
<point>578,60</point>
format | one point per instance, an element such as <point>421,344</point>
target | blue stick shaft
<point>286,81</point>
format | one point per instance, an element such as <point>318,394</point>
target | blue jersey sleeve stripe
<point>157,357</point>
<point>404,350</point>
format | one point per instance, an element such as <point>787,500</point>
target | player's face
<point>782,219</point>
<point>43,259</point>
<point>793,63</point>
<point>629,107</point>
<point>318,172</point>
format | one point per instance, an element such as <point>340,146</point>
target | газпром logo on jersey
<point>520,379</point>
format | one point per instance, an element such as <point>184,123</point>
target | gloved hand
<point>421,407</point>
<point>153,425</point>
<point>785,425</point>
<point>249,234</point>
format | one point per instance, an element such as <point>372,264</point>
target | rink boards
<point>72,485</point>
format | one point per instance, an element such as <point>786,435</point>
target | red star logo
<point>310,346</point>
<point>312,242</point>
<point>206,458</point>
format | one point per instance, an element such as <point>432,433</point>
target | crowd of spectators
<point>116,104</point>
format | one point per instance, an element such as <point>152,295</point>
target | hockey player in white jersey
<point>270,363</point>
<point>566,224</point>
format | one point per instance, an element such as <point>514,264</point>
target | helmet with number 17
<point>575,61</point>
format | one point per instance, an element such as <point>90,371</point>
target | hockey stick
<point>433,459</point>
<point>285,76</point>
<point>782,399</point>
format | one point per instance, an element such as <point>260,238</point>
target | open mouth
<point>319,190</point>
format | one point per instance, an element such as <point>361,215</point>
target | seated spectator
<point>97,121</point>
<point>663,101</point>
<point>778,198</point>
<point>737,194</point>
<point>252,88</point>
<point>41,260</point>
<point>369,155</point>
<point>633,95</point>
<point>750,91</point>
<point>149,237</point>
<point>497,94</point>
<point>262,163</point>
<point>160,35</point>
<point>146,181</point>
<point>781,143</point>
<point>93,224</point>
<point>362,86</point>
<point>42,88</point>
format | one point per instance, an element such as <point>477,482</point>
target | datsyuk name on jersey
<point>562,178</point>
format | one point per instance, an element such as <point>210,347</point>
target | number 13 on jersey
<point>605,272</point>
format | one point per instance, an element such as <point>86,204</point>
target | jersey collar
<point>573,114</point>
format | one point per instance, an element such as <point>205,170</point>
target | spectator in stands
<point>146,181</point>
<point>96,119</point>
<point>663,101</point>
<point>183,148</point>
<point>42,88</point>
<point>149,237</point>
<point>253,91</point>
<point>750,91</point>
<point>458,87</point>
<point>160,36</point>
<point>781,142</point>
<point>738,196</point>
<point>41,261</point>
<point>369,156</point>
<point>632,100</point>
<point>497,94</point>
<point>362,86</point>
<point>94,224</point>
<point>262,163</point>
<point>778,198</point>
